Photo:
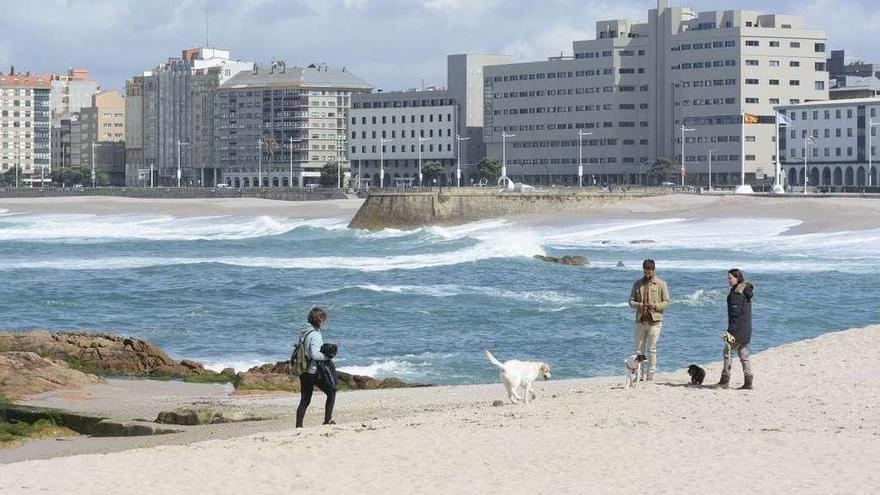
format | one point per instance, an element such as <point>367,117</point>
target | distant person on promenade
<point>312,341</point>
<point>739,326</point>
<point>650,298</point>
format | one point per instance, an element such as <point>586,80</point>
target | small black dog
<point>329,350</point>
<point>697,374</point>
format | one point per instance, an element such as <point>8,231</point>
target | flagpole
<point>778,167</point>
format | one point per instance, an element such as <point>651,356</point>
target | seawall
<point>452,206</point>
<point>165,192</point>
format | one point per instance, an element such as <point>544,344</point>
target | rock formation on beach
<point>43,361</point>
<point>565,260</point>
<point>103,353</point>
<point>25,373</point>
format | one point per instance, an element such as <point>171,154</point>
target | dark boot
<point>747,385</point>
<point>724,382</point>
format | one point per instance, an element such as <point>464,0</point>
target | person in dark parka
<point>739,325</point>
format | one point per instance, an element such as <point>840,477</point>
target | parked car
<point>222,185</point>
<point>312,186</point>
<point>667,184</point>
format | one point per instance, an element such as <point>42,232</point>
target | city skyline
<point>116,40</point>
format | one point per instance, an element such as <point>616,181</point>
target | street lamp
<point>581,135</point>
<point>683,130</point>
<point>421,140</point>
<point>260,162</point>
<point>710,167</point>
<point>807,140</point>
<point>458,140</point>
<point>382,142</point>
<point>93,164</point>
<point>179,144</point>
<point>504,137</point>
<point>871,125</point>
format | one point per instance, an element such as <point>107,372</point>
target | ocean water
<point>422,305</point>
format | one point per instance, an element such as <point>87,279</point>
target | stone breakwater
<point>455,206</point>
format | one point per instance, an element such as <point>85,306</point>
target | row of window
<point>280,92</point>
<point>838,152</point>
<point>412,119</point>
<point>403,149</point>
<point>440,102</point>
<point>412,134</point>
<point>838,113</point>
<point>704,46</point>
<point>708,64</point>
<point>15,103</point>
<point>837,133</point>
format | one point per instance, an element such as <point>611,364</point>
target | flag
<point>750,118</point>
<point>782,119</point>
<point>811,140</point>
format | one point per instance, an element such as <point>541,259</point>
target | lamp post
<point>260,162</point>
<point>807,140</point>
<point>421,140</point>
<point>504,137</point>
<point>683,130</point>
<point>871,125</point>
<point>179,144</point>
<point>581,135</point>
<point>458,140</point>
<point>710,167</point>
<point>382,142</point>
<point>93,164</point>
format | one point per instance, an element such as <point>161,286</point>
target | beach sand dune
<point>811,426</point>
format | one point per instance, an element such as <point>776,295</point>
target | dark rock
<point>565,260</point>
<point>497,403</point>
<point>620,264</point>
<point>192,417</point>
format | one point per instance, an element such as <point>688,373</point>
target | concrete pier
<point>410,209</point>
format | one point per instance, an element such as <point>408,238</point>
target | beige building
<point>96,132</point>
<point>631,90</point>
<point>25,133</point>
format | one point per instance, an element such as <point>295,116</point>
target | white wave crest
<point>449,290</point>
<point>96,228</point>
<point>238,365</point>
<point>384,368</point>
<point>701,297</point>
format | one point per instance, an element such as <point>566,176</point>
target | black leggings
<point>307,382</point>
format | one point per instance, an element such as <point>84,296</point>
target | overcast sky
<point>393,44</point>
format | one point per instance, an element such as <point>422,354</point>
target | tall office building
<point>635,89</point>
<point>169,113</point>
<point>25,126</point>
<point>258,112</point>
<point>429,120</point>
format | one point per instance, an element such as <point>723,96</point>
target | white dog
<point>520,374</point>
<point>634,371</point>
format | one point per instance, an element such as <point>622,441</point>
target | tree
<point>271,147</point>
<point>330,174</point>
<point>9,176</point>
<point>432,170</point>
<point>661,169</point>
<point>72,175</point>
<point>489,169</point>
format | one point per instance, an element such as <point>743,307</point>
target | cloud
<point>391,43</point>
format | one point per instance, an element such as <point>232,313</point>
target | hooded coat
<point>739,312</point>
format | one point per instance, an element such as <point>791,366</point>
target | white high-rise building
<point>638,84</point>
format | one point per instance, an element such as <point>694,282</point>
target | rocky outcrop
<point>26,373</point>
<point>102,353</point>
<point>565,260</point>
<point>276,377</point>
<point>191,417</point>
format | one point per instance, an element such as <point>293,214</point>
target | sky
<point>393,44</point>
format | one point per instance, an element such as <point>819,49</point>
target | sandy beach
<point>817,213</point>
<point>809,427</point>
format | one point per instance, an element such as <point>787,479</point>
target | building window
<point>774,44</point>
<point>794,82</point>
<point>819,47</point>
<point>751,81</point>
<point>820,66</point>
<point>752,42</point>
<point>820,85</point>
<point>752,63</point>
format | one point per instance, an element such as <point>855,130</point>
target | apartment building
<point>71,92</point>
<point>392,129</point>
<point>622,99</point>
<point>169,112</point>
<point>278,125</point>
<point>831,143</point>
<point>96,132</point>
<point>25,132</point>
<point>851,77</point>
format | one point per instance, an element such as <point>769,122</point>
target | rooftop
<point>313,76</point>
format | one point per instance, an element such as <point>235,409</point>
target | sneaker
<point>331,422</point>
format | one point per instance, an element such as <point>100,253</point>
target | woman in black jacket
<point>739,326</point>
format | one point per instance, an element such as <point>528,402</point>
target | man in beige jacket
<point>650,298</point>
